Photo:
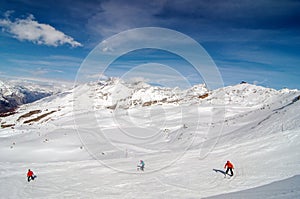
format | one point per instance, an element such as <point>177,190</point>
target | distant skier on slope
<point>141,165</point>
<point>229,166</point>
<point>30,175</point>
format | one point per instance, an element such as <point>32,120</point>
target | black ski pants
<point>30,177</point>
<point>229,169</point>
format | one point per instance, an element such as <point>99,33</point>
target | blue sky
<point>253,41</point>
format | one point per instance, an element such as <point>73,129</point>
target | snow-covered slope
<point>85,143</point>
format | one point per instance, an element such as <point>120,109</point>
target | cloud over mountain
<point>31,30</point>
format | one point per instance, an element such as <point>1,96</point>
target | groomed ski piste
<point>86,143</point>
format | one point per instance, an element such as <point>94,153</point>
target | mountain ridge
<point>16,93</point>
<point>116,94</point>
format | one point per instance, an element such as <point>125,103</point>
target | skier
<point>229,166</point>
<point>30,175</point>
<point>141,165</point>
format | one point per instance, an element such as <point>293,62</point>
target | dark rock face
<point>4,106</point>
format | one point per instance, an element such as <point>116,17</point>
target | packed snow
<point>87,142</point>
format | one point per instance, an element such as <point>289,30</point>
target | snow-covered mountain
<point>86,142</point>
<point>16,93</point>
<point>116,93</point>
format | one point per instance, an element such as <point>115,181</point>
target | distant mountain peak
<point>15,93</point>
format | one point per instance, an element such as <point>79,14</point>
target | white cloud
<point>39,33</point>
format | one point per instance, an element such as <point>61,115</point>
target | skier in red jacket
<point>30,175</point>
<point>229,166</point>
